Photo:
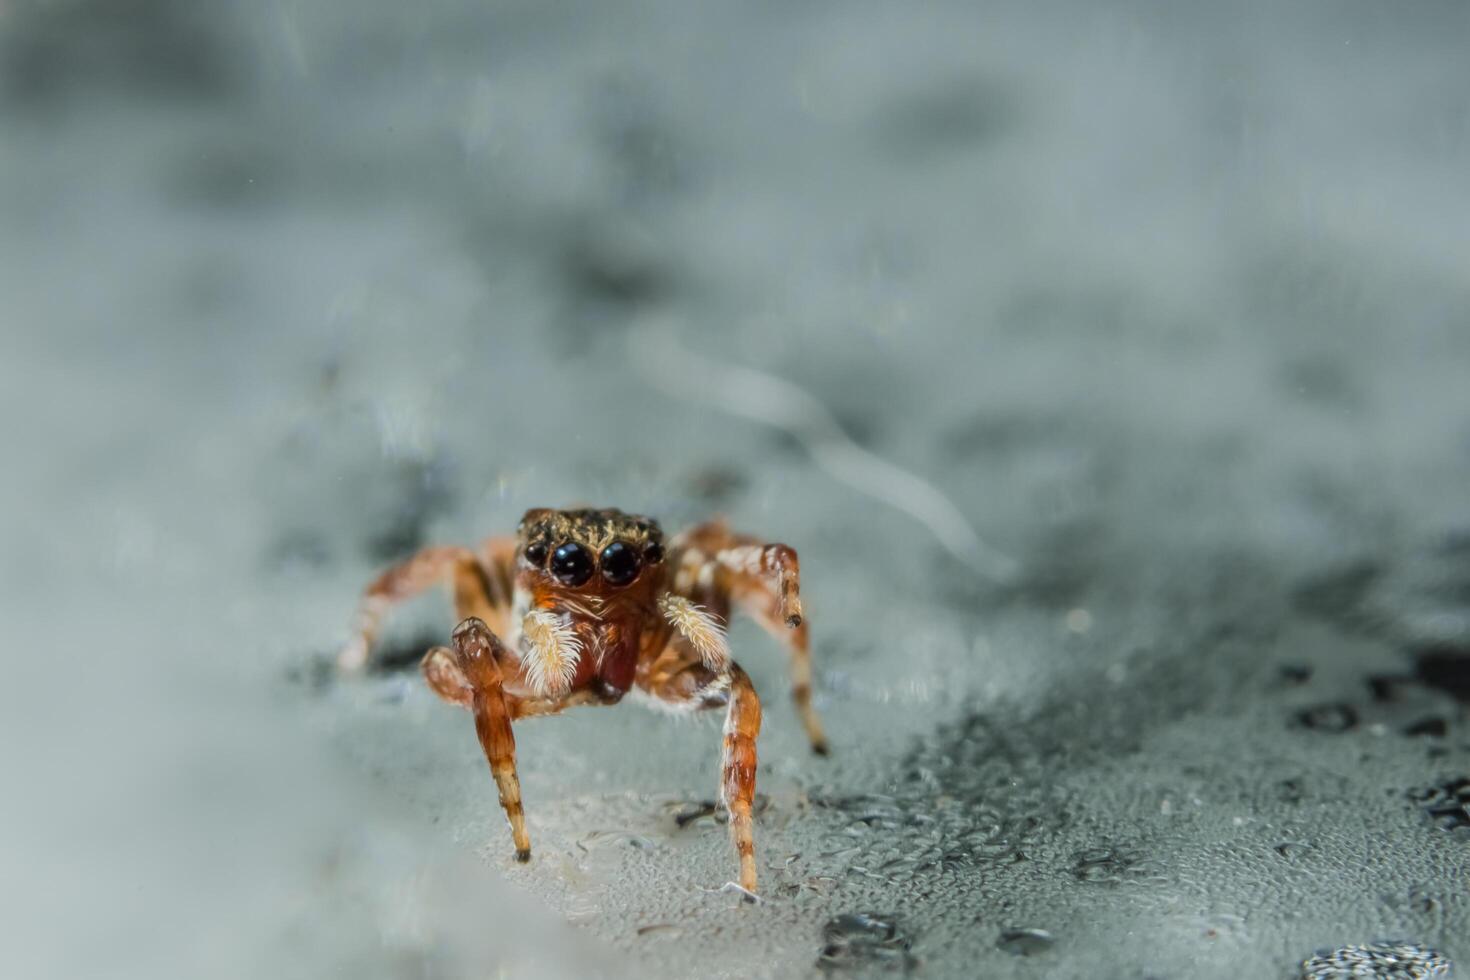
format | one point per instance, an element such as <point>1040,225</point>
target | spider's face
<point>598,552</point>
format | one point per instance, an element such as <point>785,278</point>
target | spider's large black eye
<point>536,553</point>
<point>571,564</point>
<point>619,563</point>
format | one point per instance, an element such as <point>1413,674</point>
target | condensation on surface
<point>1170,303</point>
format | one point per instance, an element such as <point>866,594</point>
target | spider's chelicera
<point>583,606</point>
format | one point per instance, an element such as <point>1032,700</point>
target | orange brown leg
<point>764,580</point>
<point>679,678</point>
<point>470,675</point>
<point>797,643</point>
<point>477,592</point>
<point>737,768</point>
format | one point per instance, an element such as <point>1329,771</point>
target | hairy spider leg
<point>481,588</point>
<point>678,680</point>
<point>717,568</point>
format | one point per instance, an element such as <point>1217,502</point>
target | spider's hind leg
<point>481,589</point>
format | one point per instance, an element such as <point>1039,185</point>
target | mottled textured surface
<point>1170,301</point>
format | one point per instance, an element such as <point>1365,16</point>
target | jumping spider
<point>591,606</point>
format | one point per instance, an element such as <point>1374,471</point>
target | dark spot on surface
<point>394,655</point>
<point>416,491</point>
<point>1433,727</point>
<point>951,115</point>
<point>1388,688</point>
<point>1447,804</point>
<point>1049,579</point>
<point>1025,942</point>
<point>865,939</point>
<point>1296,673</point>
<point>1445,668</point>
<point>689,813</point>
<point>1340,594</point>
<point>314,673</point>
<point>156,48</point>
<point>1422,903</point>
<point>1104,865</point>
<point>1292,849</point>
<point>1328,718</point>
<point>613,276</point>
<point>299,550</point>
<point>1290,791</point>
<point>715,484</point>
<point>603,277</point>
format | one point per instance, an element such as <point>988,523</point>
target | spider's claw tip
<point>794,620</point>
<point>523,855</point>
<point>821,748</point>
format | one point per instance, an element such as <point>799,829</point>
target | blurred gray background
<point>1171,300</point>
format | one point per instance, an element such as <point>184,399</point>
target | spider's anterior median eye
<point>571,564</point>
<point>536,553</point>
<point>619,563</point>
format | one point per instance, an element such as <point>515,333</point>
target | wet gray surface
<point>1171,303</point>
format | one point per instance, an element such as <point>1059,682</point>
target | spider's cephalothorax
<point>586,587</point>
<point>591,606</point>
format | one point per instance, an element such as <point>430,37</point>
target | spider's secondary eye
<point>571,564</point>
<point>619,563</point>
<point>536,553</point>
<point>654,553</point>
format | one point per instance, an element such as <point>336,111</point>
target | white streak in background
<point>779,403</point>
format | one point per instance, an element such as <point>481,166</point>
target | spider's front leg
<point>680,678</point>
<point>470,675</point>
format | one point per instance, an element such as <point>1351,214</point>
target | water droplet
<point>1447,804</point>
<point>1100,864</point>
<point>1025,942</point>
<point>1376,961</point>
<point>1330,718</point>
<point>865,938</point>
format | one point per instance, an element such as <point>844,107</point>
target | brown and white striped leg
<point>764,580</point>
<point>476,593</point>
<point>679,679</point>
<point>737,769</point>
<point>470,675</point>
<point>797,643</point>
